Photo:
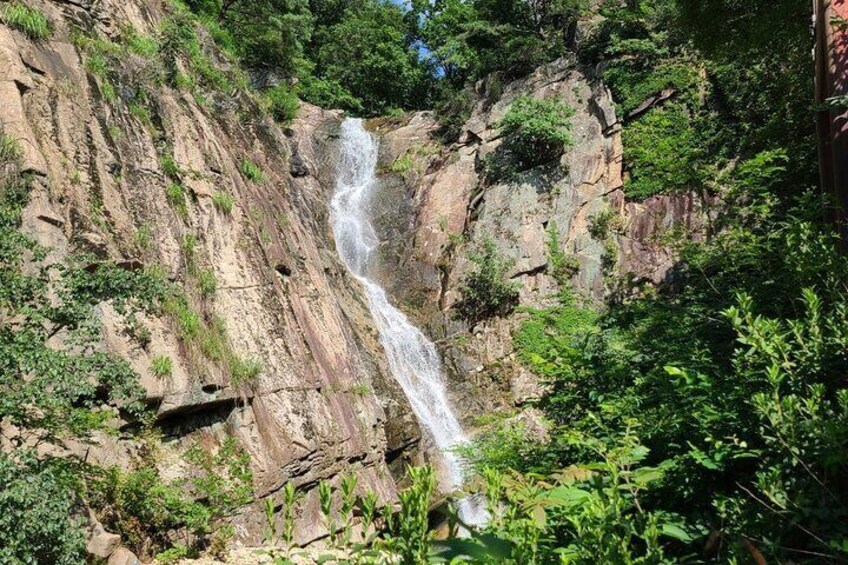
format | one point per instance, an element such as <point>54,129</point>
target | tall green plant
<point>485,292</point>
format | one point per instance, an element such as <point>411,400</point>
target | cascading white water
<point>413,358</point>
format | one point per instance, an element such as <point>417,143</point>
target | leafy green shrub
<point>188,246</point>
<point>502,446</point>
<point>410,534</point>
<point>452,115</point>
<point>631,85</point>
<point>402,165</point>
<point>174,554</point>
<point>662,153</point>
<point>223,201</point>
<point>206,283</point>
<point>36,511</point>
<point>605,224</point>
<point>282,103</point>
<point>485,293</point>
<point>584,514</point>
<point>141,506</point>
<point>562,266</point>
<point>161,366</point>
<point>224,481</point>
<point>10,150</point>
<point>30,21</point>
<point>251,170</point>
<point>328,93</point>
<point>188,321</point>
<point>535,132</point>
<point>170,167</point>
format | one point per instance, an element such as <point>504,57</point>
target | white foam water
<point>413,358</point>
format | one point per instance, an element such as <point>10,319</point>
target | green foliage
<point>161,366</point>
<point>368,54</point>
<point>502,446</point>
<point>173,554</point>
<point>485,293</point>
<point>251,170</point>
<point>140,506</point>
<point>282,103</point>
<point>223,201</point>
<point>271,33</point>
<point>535,132</point>
<point>36,508</point>
<point>58,384</point>
<point>139,44</point>
<point>206,283</point>
<point>245,371</point>
<point>663,154</point>
<point>188,321</point>
<point>470,40</point>
<point>170,167</point>
<point>561,265</point>
<point>605,224</point>
<point>452,113</point>
<point>731,372</point>
<point>225,481</point>
<point>175,193</point>
<point>29,21</point>
<point>408,532</point>
<point>328,93</point>
<point>179,42</point>
<point>143,507</point>
<point>58,390</point>
<point>143,238</point>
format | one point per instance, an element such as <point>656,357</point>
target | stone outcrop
<point>324,403</point>
<point>455,208</point>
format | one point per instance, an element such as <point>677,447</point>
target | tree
<point>270,34</point>
<point>370,55</point>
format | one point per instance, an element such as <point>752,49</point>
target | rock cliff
<point>104,152</point>
<point>451,208</point>
<point>128,168</point>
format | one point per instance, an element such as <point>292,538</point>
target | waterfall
<point>413,359</point>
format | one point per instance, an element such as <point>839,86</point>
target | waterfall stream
<point>413,359</point>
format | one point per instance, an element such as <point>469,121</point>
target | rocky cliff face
<point>103,156</point>
<point>104,152</point>
<point>450,209</point>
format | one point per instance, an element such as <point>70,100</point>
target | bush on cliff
<point>485,293</point>
<point>535,132</point>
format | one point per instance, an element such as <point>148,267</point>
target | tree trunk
<point>831,77</point>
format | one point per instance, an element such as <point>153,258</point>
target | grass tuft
<point>251,170</point>
<point>223,201</point>
<point>245,371</point>
<point>29,21</point>
<point>177,198</point>
<point>161,366</point>
<point>206,283</point>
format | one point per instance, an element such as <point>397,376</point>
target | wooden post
<point>831,79</point>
